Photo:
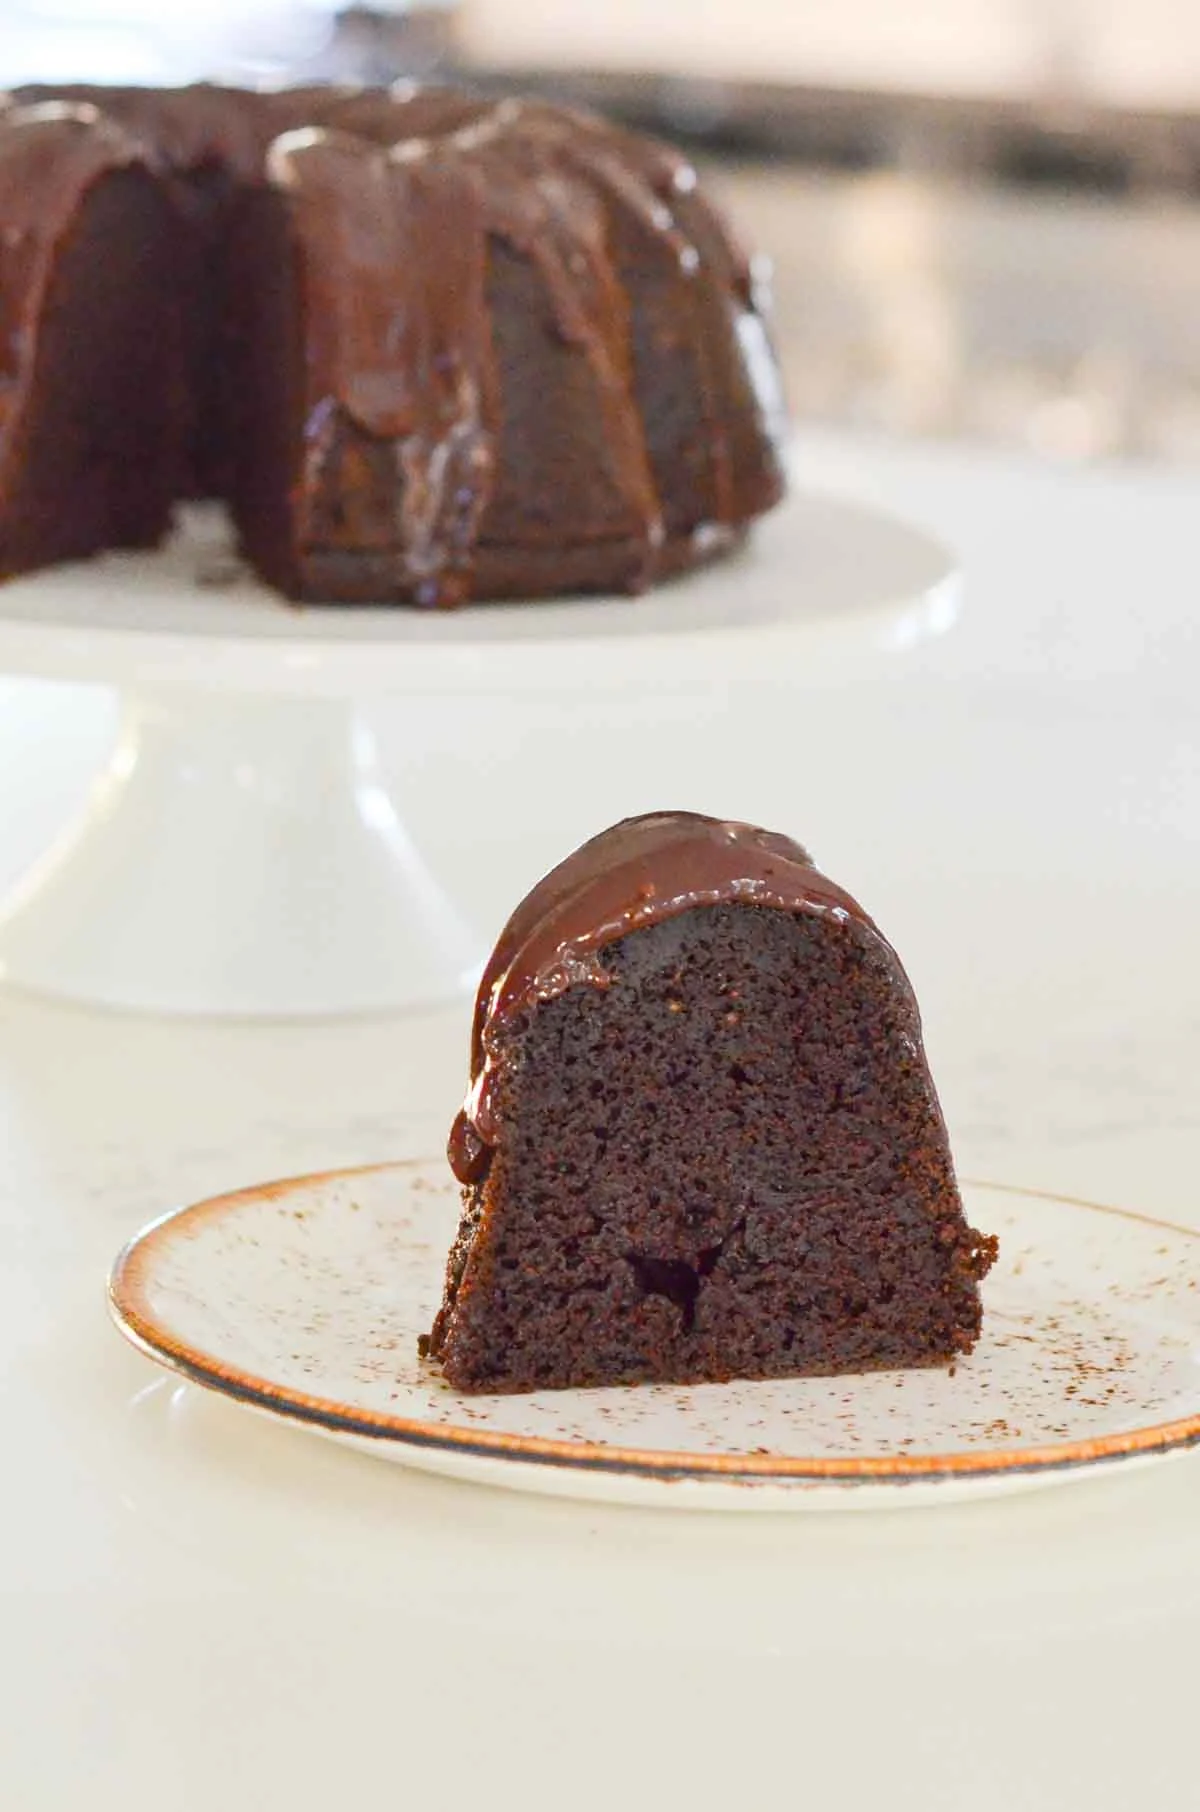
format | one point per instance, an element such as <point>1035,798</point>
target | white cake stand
<point>244,854</point>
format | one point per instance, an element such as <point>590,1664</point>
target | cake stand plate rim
<point>833,578</point>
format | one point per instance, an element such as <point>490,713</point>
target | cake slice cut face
<point>701,1140</point>
<point>89,434</point>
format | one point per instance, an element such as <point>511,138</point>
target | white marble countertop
<point>200,1611</point>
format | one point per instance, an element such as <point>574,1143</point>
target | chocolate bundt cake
<point>427,346</point>
<point>701,1140</point>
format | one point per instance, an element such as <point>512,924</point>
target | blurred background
<point>984,215</point>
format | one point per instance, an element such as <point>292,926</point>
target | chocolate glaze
<point>204,125</point>
<point>398,336</point>
<point>394,199</point>
<point>637,873</point>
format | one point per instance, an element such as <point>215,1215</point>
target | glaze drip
<point>394,256</point>
<point>656,185</point>
<point>549,214</point>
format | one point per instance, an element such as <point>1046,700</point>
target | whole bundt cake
<point>701,1140</point>
<point>428,347</point>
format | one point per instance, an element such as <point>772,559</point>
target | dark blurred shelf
<point>1053,138</point>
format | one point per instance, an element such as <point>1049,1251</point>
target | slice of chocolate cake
<point>701,1139</point>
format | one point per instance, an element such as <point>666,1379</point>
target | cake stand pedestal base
<point>240,855</point>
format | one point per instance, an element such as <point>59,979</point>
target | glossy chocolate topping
<point>205,126</point>
<point>638,873</point>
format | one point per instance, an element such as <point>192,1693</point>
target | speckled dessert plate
<point>304,1300</point>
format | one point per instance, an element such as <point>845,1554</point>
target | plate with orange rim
<point>304,1299</point>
